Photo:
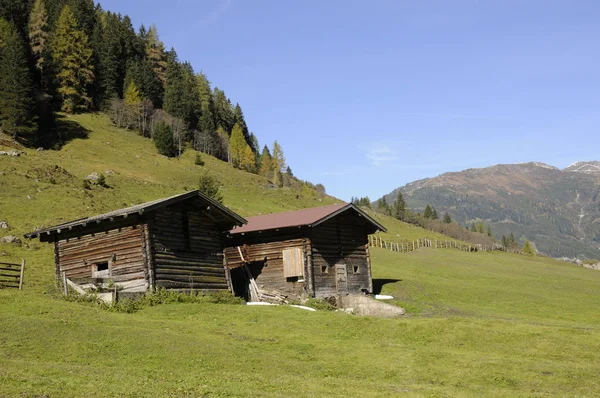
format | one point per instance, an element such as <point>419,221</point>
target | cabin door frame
<point>341,279</point>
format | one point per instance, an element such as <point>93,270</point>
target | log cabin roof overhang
<point>104,221</point>
<point>312,217</point>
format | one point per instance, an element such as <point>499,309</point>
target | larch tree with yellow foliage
<point>73,57</point>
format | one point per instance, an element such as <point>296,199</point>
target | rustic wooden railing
<point>11,275</point>
<point>407,247</point>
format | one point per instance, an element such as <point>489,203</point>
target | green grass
<point>477,324</point>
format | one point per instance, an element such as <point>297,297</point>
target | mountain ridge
<point>559,209</point>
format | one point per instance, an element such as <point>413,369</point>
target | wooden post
<point>369,270</point>
<point>21,275</point>
<point>65,286</point>
<point>310,279</point>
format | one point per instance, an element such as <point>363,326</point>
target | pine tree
<point>210,187</point>
<point>278,157</point>
<point>182,98</point>
<point>132,95</point>
<point>480,227</point>
<point>383,206</point>
<point>512,242</point>
<point>16,87</point>
<point>110,58</point>
<point>528,248</point>
<point>434,215</point>
<point>278,164</point>
<point>265,162</point>
<point>399,207</point>
<point>224,117</point>
<point>248,160</point>
<point>83,11</point>
<point>38,34</point>
<point>238,118</point>
<point>73,56</point>
<point>163,139</point>
<point>254,143</point>
<point>223,136</point>
<point>489,231</point>
<point>207,122</point>
<point>16,12</point>
<point>6,30</point>
<point>237,143</point>
<point>473,227</point>
<point>155,53</point>
<point>447,218</point>
<point>428,212</point>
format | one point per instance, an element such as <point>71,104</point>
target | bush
<point>209,186</point>
<point>199,161</point>
<point>159,296</point>
<point>319,304</point>
<point>163,139</point>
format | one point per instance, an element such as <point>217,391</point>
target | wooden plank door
<point>341,278</point>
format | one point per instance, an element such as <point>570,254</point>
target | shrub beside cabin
<point>175,243</point>
<point>320,252</point>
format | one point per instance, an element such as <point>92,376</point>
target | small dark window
<point>324,269</point>
<point>100,270</point>
<point>356,270</point>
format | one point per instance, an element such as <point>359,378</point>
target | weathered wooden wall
<point>343,239</point>
<point>264,252</point>
<point>187,247</point>
<point>122,248</point>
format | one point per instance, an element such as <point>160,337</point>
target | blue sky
<point>365,96</point>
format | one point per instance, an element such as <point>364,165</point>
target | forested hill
<point>73,56</point>
<point>557,209</point>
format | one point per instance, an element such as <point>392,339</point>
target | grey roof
<point>140,209</point>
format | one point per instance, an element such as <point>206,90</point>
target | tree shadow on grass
<point>67,130</point>
<point>379,283</point>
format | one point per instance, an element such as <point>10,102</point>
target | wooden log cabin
<point>175,243</point>
<point>320,252</point>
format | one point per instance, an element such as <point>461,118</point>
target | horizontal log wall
<point>122,248</point>
<point>264,252</point>
<point>342,239</point>
<point>187,247</point>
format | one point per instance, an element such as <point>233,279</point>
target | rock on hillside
<point>558,209</point>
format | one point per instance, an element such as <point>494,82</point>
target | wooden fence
<point>376,241</point>
<point>11,275</point>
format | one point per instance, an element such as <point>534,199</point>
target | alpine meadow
<point>150,246</point>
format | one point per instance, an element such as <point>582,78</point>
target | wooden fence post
<point>65,286</point>
<point>22,274</point>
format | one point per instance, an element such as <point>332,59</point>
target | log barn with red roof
<point>320,252</point>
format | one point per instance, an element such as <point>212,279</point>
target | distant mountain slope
<point>558,209</point>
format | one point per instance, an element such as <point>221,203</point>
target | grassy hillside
<point>46,188</point>
<point>478,324</point>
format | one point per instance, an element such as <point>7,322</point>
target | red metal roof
<point>298,218</point>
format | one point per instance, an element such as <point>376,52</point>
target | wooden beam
<point>21,274</point>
